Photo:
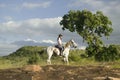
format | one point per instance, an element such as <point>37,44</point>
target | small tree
<point>91,27</point>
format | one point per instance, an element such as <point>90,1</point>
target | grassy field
<point>37,55</point>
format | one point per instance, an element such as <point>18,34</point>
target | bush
<point>110,53</point>
<point>75,55</point>
<point>34,59</point>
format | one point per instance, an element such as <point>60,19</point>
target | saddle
<point>61,49</point>
<point>57,46</point>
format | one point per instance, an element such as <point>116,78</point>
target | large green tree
<point>90,26</point>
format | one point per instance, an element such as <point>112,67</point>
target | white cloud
<point>49,22</point>
<point>49,41</point>
<point>31,40</point>
<point>36,5</point>
<point>31,27</point>
<point>9,26</point>
<point>38,26</point>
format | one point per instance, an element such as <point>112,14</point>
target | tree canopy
<point>90,26</point>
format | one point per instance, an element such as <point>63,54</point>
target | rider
<point>59,41</point>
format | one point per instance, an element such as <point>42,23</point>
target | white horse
<point>65,53</point>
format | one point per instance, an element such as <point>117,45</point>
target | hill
<point>27,51</point>
<point>23,56</point>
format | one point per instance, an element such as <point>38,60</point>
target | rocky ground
<point>60,72</point>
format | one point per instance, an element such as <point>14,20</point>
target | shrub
<point>34,59</point>
<point>75,55</point>
<point>110,53</point>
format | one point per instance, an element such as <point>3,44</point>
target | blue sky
<point>25,9</point>
<point>38,20</point>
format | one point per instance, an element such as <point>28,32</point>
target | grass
<point>22,56</point>
<point>7,63</point>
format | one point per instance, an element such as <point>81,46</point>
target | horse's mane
<point>67,44</point>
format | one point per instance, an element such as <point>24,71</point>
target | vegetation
<point>110,53</point>
<point>91,27</point>
<point>24,56</point>
<point>37,55</point>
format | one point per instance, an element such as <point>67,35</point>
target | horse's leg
<point>49,58</point>
<point>50,53</point>
<point>64,59</point>
<point>48,61</point>
<point>67,61</point>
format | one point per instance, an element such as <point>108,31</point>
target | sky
<point>24,22</point>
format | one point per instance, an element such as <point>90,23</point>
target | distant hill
<point>27,51</point>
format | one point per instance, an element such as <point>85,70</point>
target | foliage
<point>91,27</point>
<point>34,59</point>
<point>110,53</point>
<point>92,50</point>
<point>75,55</point>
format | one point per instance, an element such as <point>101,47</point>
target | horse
<point>51,50</point>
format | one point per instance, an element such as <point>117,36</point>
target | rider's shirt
<point>59,40</point>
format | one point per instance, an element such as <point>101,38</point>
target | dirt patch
<point>60,72</point>
<point>32,68</point>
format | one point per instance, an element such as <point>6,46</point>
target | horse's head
<point>73,43</point>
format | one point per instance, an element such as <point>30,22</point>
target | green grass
<point>37,55</point>
<point>16,62</point>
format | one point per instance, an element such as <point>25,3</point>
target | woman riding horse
<point>59,45</point>
<point>52,49</point>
